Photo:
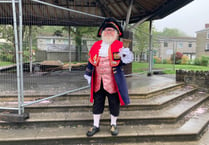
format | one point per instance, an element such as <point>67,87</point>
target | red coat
<point>112,53</point>
<point>115,62</point>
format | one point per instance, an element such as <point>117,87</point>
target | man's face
<point>109,35</point>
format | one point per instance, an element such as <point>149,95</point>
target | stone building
<point>203,42</point>
<point>168,46</point>
<point>57,48</point>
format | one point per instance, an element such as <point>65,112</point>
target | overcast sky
<point>189,19</point>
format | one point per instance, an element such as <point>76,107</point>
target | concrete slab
<point>78,132</point>
<point>140,84</point>
<point>52,83</point>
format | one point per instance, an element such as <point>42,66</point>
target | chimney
<point>206,26</point>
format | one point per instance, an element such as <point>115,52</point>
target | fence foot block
<point>13,117</point>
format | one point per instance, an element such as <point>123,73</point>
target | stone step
<point>190,131</point>
<point>161,116</point>
<point>169,114</point>
<point>82,104</point>
<point>141,92</point>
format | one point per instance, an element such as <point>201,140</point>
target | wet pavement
<point>52,83</point>
<point>57,82</point>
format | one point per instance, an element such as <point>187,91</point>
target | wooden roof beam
<point>128,14</point>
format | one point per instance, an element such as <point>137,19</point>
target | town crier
<point>105,75</point>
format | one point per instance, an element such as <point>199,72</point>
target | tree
<point>178,57</point>
<point>78,34</point>
<point>167,32</point>
<point>7,32</point>
<point>141,38</point>
<point>9,48</point>
<point>58,33</point>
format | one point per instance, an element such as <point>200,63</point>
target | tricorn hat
<point>110,22</point>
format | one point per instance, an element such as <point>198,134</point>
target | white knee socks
<point>113,120</point>
<point>96,119</point>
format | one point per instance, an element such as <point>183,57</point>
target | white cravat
<point>103,51</point>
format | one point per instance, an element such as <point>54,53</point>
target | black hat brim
<point>110,22</point>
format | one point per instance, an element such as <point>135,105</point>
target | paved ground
<point>57,82</point>
<point>60,81</point>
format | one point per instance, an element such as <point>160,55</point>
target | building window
<point>48,41</point>
<point>180,45</point>
<point>190,45</point>
<point>165,44</point>
<point>66,42</point>
<point>207,47</point>
<point>208,35</point>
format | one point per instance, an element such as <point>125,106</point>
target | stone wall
<point>197,78</point>
<point>201,41</point>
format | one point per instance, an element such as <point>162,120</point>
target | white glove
<point>126,55</point>
<point>88,78</point>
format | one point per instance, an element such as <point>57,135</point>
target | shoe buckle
<point>91,129</point>
<point>113,128</point>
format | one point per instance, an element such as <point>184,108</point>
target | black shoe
<point>93,130</point>
<point>114,130</point>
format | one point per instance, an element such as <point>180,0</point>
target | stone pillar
<point>128,36</point>
<point>178,75</point>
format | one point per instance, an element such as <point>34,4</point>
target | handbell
<point>126,43</point>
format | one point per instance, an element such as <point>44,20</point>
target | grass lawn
<point>168,68</point>
<point>5,63</point>
<point>138,67</point>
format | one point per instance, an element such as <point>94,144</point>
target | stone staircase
<point>176,114</point>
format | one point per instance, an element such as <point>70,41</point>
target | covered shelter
<point>88,12</point>
<point>79,13</point>
<point>130,13</point>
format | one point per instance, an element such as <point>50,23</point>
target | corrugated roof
<point>37,13</point>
